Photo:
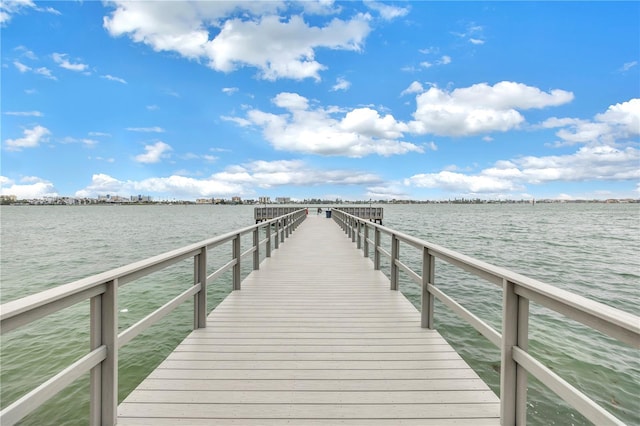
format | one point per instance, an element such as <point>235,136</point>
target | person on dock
<point>319,210</point>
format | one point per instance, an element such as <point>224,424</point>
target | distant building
<point>264,200</point>
<point>283,200</point>
<point>140,199</point>
<point>204,201</point>
<point>236,200</point>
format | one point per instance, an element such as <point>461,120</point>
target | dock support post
<point>513,378</point>
<point>104,377</point>
<point>428,277</point>
<point>236,268</point>
<point>395,255</point>
<point>200,298</point>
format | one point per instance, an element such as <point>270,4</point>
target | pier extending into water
<point>316,334</point>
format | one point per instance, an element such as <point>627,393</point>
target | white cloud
<point>32,138</point>
<point>9,8</point>
<point>155,129</point>
<point>61,59</point>
<point>341,84</point>
<point>153,153</point>
<point>603,163</point>
<point>279,47</point>
<point>46,72</point>
<point>113,78</point>
<point>234,180</point>
<point>414,87</point>
<point>618,123</point>
<point>444,60</point>
<point>30,187</point>
<point>476,41</point>
<point>387,12</point>
<point>229,90</point>
<point>480,108</point>
<point>628,65</point>
<point>24,113</point>
<point>357,133</point>
<point>21,67</point>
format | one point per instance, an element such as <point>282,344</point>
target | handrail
<point>518,291</point>
<point>102,292</point>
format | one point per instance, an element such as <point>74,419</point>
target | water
<point>589,249</point>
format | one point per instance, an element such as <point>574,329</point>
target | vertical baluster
<point>512,405</point>
<point>376,250</point>
<point>268,248</point>
<point>354,229</point>
<point>365,242</point>
<point>256,244</point>
<point>200,298</point>
<point>95,378</point>
<point>395,254</point>
<point>236,268</point>
<point>104,377</point>
<point>277,239</point>
<point>428,277</point>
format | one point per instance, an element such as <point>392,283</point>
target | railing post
<point>354,229</point>
<point>104,377</point>
<point>237,256</point>
<point>376,250</point>
<point>283,226</point>
<point>287,223</point>
<point>277,239</point>
<point>428,277</point>
<point>365,247</point>
<point>359,244</point>
<point>200,298</point>
<point>268,248</point>
<point>513,379</point>
<point>395,255</point>
<point>256,244</point>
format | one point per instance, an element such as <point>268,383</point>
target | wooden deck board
<point>314,337</point>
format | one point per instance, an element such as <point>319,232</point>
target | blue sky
<point>350,100</point>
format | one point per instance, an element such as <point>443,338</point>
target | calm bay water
<point>589,249</point>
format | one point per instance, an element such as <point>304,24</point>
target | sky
<point>320,99</point>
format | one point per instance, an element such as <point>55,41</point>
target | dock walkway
<point>315,336</point>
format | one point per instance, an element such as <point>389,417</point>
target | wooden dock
<point>314,337</point>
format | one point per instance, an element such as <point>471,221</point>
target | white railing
<point>518,291</point>
<point>102,292</point>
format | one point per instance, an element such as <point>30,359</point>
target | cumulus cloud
<point>234,180</point>
<point>9,8</point>
<point>359,132</point>
<point>620,122</point>
<point>480,108</point>
<point>341,84</point>
<point>278,46</point>
<point>414,87</point>
<point>29,187</point>
<point>386,11</point>
<point>601,163</point>
<point>153,153</point>
<point>31,139</point>
<point>62,60</point>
